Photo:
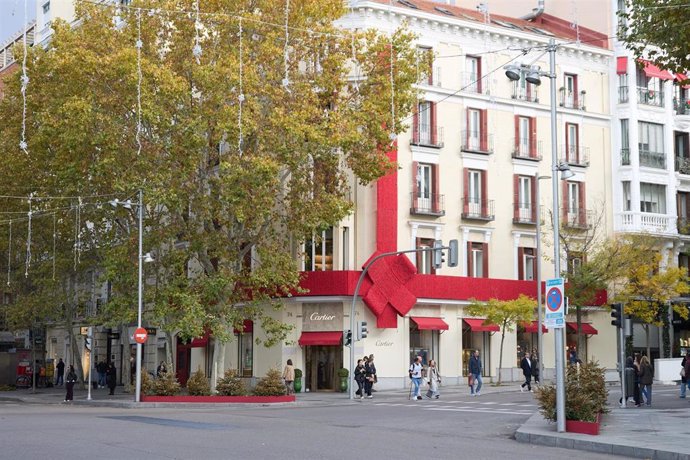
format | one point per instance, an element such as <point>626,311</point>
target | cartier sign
<point>322,317</point>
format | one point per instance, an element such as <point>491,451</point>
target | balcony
<point>527,149</point>
<point>477,209</point>
<point>629,221</point>
<point>650,97</point>
<point>684,225</point>
<point>525,94</point>
<point>474,142</point>
<point>682,165</point>
<point>472,83</point>
<point>575,155</point>
<point>650,159</point>
<point>429,205</point>
<point>427,136</point>
<point>580,218</point>
<point>623,97</point>
<point>572,100</point>
<point>524,213</point>
<point>682,107</point>
<point>625,156</point>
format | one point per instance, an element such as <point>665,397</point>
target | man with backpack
<point>415,372</point>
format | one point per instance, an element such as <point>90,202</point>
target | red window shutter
<point>565,201</point>
<point>435,198</point>
<point>517,133</point>
<point>415,125</point>
<point>483,198</point>
<point>577,143</point>
<point>575,95</point>
<point>533,196</point>
<point>466,191</point>
<point>516,195</point>
<point>432,118</point>
<point>415,188</point>
<point>479,75</point>
<point>567,142</point>
<point>485,259</point>
<point>581,207</point>
<point>483,134</point>
<point>521,263</point>
<point>467,128</point>
<point>418,244</point>
<point>533,136</point>
<point>469,260</point>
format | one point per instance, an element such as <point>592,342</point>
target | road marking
<point>490,402</point>
<point>485,411</point>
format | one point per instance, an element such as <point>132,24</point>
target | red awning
<point>682,77</point>
<point>477,325</point>
<point>653,71</point>
<point>533,327</point>
<point>247,327</point>
<point>587,328</point>
<point>198,342</point>
<point>428,323</point>
<point>621,65</point>
<point>321,338</point>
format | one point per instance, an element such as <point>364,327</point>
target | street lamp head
<point>114,203</point>
<point>512,72</point>
<point>566,173</point>
<point>148,257</point>
<point>534,75</point>
<point>127,204</point>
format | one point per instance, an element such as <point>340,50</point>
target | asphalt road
<point>389,427</point>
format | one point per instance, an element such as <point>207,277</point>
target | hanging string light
<point>139,45</point>
<point>54,239</point>
<point>77,235</point>
<point>9,256</point>
<point>240,97</point>
<point>286,51</point>
<point>28,239</point>
<point>196,51</point>
<point>25,83</point>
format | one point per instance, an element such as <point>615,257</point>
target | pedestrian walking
<point>526,365</point>
<point>360,377</point>
<point>415,372</point>
<point>111,377</point>
<point>684,365</point>
<point>433,380</point>
<point>475,374</point>
<point>60,366</point>
<point>101,368</point>
<point>289,377</point>
<point>646,379</point>
<point>535,366</point>
<point>369,376</point>
<point>71,380</point>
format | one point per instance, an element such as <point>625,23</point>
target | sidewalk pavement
<point>657,432</point>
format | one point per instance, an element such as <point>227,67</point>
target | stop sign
<point>140,335</point>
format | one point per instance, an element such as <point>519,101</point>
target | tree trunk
<point>126,371</point>
<point>218,368</point>
<point>666,332</point>
<point>169,352</point>
<point>578,311</point>
<point>646,334</point>
<point>500,353</point>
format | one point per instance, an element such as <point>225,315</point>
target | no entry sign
<point>555,311</point>
<point>140,335</point>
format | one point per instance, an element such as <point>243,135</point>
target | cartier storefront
<point>321,342</point>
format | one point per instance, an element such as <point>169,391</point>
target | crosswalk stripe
<point>476,410</point>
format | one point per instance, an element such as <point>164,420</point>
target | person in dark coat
<point>101,368</point>
<point>535,366</point>
<point>684,374</point>
<point>360,376</point>
<point>526,365</point>
<point>646,379</point>
<point>369,376</point>
<point>60,366</point>
<point>71,380</point>
<point>111,377</point>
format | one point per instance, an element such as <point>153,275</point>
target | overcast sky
<point>12,16</point>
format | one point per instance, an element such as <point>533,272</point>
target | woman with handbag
<point>370,376</point>
<point>434,380</point>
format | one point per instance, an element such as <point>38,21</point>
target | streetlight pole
<point>558,332</point>
<point>540,321</point>
<point>137,391</point>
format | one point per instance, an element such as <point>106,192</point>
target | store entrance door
<point>321,364</point>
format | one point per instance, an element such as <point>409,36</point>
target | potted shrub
<point>270,385</point>
<point>198,385</point>
<point>343,374</point>
<point>231,384</point>
<point>585,398</point>
<point>297,384</point>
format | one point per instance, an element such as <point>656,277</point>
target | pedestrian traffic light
<point>438,254</point>
<point>87,343</point>
<point>347,338</point>
<point>453,253</point>
<point>617,314</point>
<point>362,330</point>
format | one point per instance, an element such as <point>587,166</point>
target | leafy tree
<point>658,30</point>
<point>506,314</point>
<point>226,208</point>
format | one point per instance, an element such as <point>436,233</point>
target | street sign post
<point>555,304</point>
<point>140,335</point>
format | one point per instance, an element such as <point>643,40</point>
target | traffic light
<point>347,338</point>
<point>362,330</point>
<point>438,254</point>
<point>453,253</point>
<point>617,314</point>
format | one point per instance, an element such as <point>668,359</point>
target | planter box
<point>219,399</point>
<point>577,426</point>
